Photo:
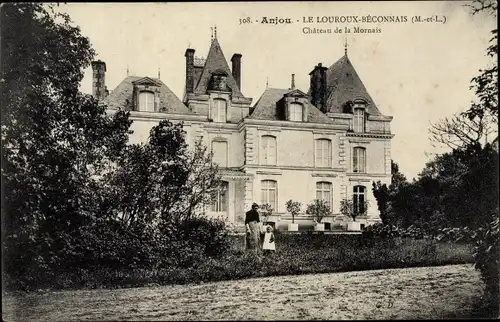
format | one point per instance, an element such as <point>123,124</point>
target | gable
<point>216,63</point>
<point>146,81</point>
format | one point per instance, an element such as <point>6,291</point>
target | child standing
<point>268,245</point>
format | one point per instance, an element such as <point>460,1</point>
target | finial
<point>212,34</point>
<point>345,46</point>
<point>127,70</point>
<point>215,32</point>
<point>267,82</point>
<point>158,72</point>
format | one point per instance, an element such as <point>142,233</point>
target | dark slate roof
<point>266,107</point>
<point>345,85</point>
<point>122,97</point>
<point>216,61</point>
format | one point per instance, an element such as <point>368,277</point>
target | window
<point>269,193</point>
<point>324,192</point>
<point>219,150</point>
<point>359,199</point>
<point>359,120</point>
<point>295,112</point>
<point>359,160</point>
<point>219,110</point>
<point>323,153</point>
<point>268,150</point>
<point>146,101</point>
<point>220,200</point>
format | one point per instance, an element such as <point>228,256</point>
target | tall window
<point>359,197</point>
<point>219,110</point>
<point>295,112</point>
<point>359,160</point>
<point>268,150</point>
<point>219,150</point>
<point>146,101</point>
<point>323,153</point>
<point>324,192</point>
<point>359,120</point>
<point>269,193</point>
<point>219,203</point>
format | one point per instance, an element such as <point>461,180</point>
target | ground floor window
<point>220,200</point>
<point>269,191</point>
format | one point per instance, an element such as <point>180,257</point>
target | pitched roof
<point>266,107</point>
<point>216,61</point>
<point>122,96</point>
<point>344,85</point>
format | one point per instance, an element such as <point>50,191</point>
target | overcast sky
<point>416,73</point>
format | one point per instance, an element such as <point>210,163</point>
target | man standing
<point>252,228</point>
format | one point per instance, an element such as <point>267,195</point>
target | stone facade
<point>283,147</point>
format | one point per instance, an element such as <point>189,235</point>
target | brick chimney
<point>99,90</point>
<point>318,87</point>
<point>189,70</point>
<point>236,69</point>
<point>292,87</point>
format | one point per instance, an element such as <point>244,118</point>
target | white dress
<point>267,245</point>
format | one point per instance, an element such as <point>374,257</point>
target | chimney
<point>189,70</point>
<point>99,89</point>
<point>318,87</point>
<point>293,82</point>
<point>236,69</point>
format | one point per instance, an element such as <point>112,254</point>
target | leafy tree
<point>318,209</point>
<point>353,209</point>
<point>55,140</point>
<point>384,194</point>
<point>293,207</point>
<point>162,180</point>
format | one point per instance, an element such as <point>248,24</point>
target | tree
<point>55,140</point>
<point>384,194</point>
<point>318,209</point>
<point>293,207</point>
<point>161,181</point>
<point>348,207</point>
<point>477,124</point>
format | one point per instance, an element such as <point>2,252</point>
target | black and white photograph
<point>187,161</point>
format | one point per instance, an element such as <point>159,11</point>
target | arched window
<point>359,120</point>
<point>219,151</point>
<point>221,197</point>
<point>146,102</point>
<point>218,110</point>
<point>324,191</point>
<point>323,153</point>
<point>268,150</point>
<point>358,198</point>
<point>295,112</point>
<point>359,160</point>
<point>269,193</point>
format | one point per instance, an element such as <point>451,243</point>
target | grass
<point>295,255</point>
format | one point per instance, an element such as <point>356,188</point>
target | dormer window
<point>358,121</point>
<point>295,112</point>
<point>146,101</point>
<point>146,95</point>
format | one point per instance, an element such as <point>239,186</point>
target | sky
<point>416,72</point>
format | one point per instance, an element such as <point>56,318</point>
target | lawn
<point>408,293</point>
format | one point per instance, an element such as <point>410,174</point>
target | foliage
<point>266,210</point>
<point>56,142</point>
<point>353,209</point>
<point>486,257</point>
<point>293,207</point>
<point>318,209</point>
<point>161,180</point>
